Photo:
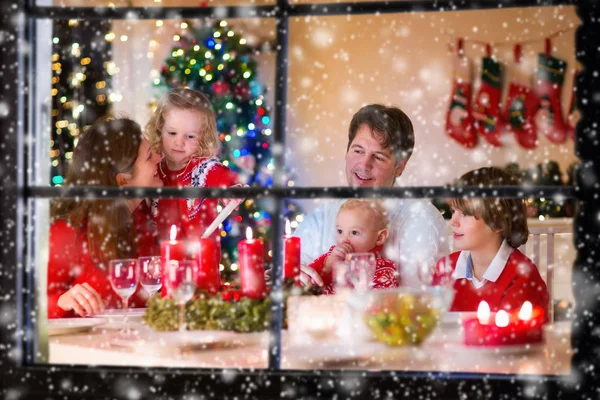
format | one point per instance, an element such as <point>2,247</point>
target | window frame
<point>18,280</point>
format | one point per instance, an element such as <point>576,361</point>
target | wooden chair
<point>532,249</point>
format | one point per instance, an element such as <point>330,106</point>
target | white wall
<point>340,63</point>
<point>337,64</point>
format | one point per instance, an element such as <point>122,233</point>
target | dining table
<point>102,341</point>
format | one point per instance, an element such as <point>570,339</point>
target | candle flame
<point>483,313</point>
<point>501,319</point>
<point>173,234</point>
<point>526,311</point>
<point>248,233</point>
<point>288,228</point>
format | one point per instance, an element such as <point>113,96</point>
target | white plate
<point>133,313</point>
<point>508,349</point>
<point>333,353</point>
<point>62,326</point>
<point>150,340</point>
<point>450,319</point>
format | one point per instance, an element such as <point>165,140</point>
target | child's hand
<point>237,201</point>
<point>338,254</point>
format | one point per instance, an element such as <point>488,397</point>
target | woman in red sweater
<point>86,234</point>
<point>489,267</point>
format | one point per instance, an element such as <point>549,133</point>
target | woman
<point>85,233</point>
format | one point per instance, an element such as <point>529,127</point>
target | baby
<point>361,227</point>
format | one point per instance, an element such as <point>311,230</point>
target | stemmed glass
<point>124,277</point>
<point>150,274</point>
<point>181,281</point>
<point>361,270</point>
<point>432,273</point>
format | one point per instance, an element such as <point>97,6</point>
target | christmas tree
<point>217,61</point>
<point>80,85</point>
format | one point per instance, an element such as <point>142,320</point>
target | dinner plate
<point>508,349</point>
<point>450,319</point>
<point>63,326</point>
<point>334,353</point>
<point>133,313</point>
<point>187,340</point>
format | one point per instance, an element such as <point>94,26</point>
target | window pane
<point>340,63</point>
<point>409,328</point>
<point>89,69</point>
<point>75,267</point>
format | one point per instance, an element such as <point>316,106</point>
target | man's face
<point>368,163</point>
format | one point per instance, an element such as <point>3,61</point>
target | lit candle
<point>208,255</point>
<point>291,255</point>
<point>508,328</point>
<point>252,266</point>
<point>483,313</point>
<point>501,319</point>
<point>526,311</point>
<point>170,250</point>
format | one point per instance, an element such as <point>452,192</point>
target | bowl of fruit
<point>405,316</point>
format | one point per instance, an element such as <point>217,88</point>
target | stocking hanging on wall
<point>550,77</point>
<point>459,124</point>
<point>486,110</point>
<point>520,105</point>
<point>574,113</point>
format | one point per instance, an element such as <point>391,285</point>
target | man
<point>380,142</point>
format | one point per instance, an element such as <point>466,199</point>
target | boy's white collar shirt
<point>464,266</point>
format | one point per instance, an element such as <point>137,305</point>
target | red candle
<point>208,256</point>
<point>252,266</point>
<point>502,328</point>
<point>291,255</point>
<point>170,250</point>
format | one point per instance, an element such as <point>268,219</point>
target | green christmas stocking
<point>459,124</point>
<point>548,117</point>
<point>486,111</point>
<point>520,105</point>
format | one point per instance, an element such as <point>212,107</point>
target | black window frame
<point>21,376</point>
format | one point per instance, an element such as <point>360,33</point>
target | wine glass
<point>426,272</point>
<point>432,273</point>
<point>444,272</point>
<point>150,274</point>
<point>361,270</point>
<point>124,277</point>
<point>181,281</point>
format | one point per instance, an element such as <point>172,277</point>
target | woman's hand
<point>309,276</point>
<point>83,299</point>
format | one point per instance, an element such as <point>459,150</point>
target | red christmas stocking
<point>520,106</point>
<point>548,117</point>
<point>486,111</point>
<point>574,113</point>
<point>459,124</point>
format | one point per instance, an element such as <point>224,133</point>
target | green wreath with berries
<point>227,310</point>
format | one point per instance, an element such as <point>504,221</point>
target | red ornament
<point>220,88</point>
<point>242,91</point>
